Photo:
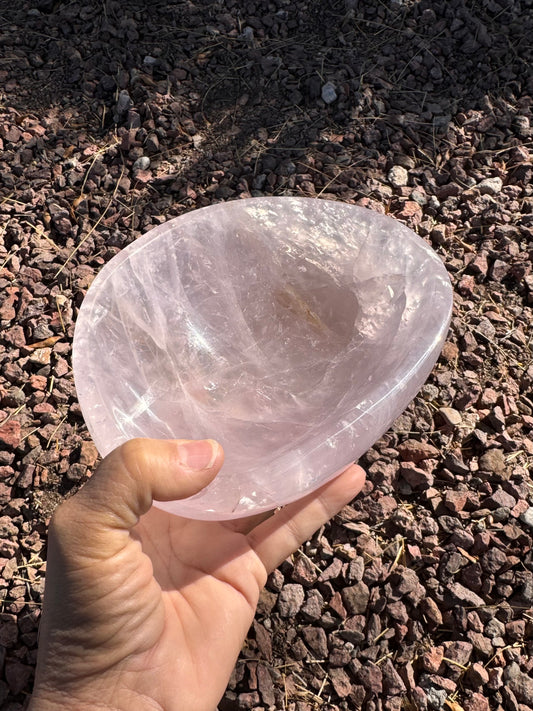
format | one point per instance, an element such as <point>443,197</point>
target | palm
<point>208,580</point>
<point>146,610</point>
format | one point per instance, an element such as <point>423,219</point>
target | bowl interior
<point>268,325</point>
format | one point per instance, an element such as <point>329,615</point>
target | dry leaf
<point>47,343</point>
<point>453,705</point>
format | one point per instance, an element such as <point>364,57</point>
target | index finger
<point>284,532</point>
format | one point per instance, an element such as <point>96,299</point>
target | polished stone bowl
<point>291,330</point>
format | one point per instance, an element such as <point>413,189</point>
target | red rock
<point>495,681</point>
<point>499,270</point>
<point>449,352</point>
<point>43,407</point>
<point>371,678</point>
<point>477,675</point>
<point>411,212</point>
<point>264,641</point>
<point>493,561</point>
<point>357,697</point>
<point>459,652</point>
<point>10,434</point>
<point>398,612</point>
<point>88,454</point>
<point>405,581</point>
<point>7,308</point>
<point>332,571</point>
<point>41,356</point>
<point>413,451</point>
<point>521,507</point>
<point>340,682</point>
<point>419,698</point>
<point>143,176</point>
<point>516,629</point>
<point>392,681</point>
<point>449,417</point>
<point>498,499</point>
<point>466,285</point>
<point>336,605</point>
<point>316,640</point>
<point>312,608</point>
<point>431,610</point>
<point>416,477</point>
<point>432,659</point>
<point>265,685</point>
<point>455,500</point>
<point>339,657</point>
<point>444,683</point>
<point>15,336</point>
<point>38,382</point>
<point>477,702</point>
<point>248,700</point>
<point>480,265</point>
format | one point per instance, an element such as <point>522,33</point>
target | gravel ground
<point>116,116</point>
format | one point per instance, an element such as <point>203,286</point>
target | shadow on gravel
<point>399,63</point>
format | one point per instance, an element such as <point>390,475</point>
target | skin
<point>147,610</point>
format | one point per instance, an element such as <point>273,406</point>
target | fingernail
<point>198,454</point>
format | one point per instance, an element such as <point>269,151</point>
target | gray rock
<point>317,641</point>
<point>312,608</point>
<point>493,461</point>
<point>357,569</point>
<point>493,560</point>
<point>494,628</point>
<point>498,499</point>
<point>527,517</point>
<point>419,197</point>
<point>522,126</point>
<point>521,684</point>
<point>124,104</point>
<point>142,163</point>
<point>290,600</point>
<point>436,697</point>
<point>328,93</point>
<point>490,186</point>
<point>398,176</point>
<point>449,416</point>
<point>355,598</point>
<point>392,681</point>
<point>371,678</point>
<point>462,595</point>
<point>248,35</point>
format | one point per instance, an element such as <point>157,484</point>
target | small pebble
<point>142,163</point>
<point>329,93</point>
<point>398,176</point>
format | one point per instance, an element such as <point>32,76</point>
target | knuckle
<point>132,453</point>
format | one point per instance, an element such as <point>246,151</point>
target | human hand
<point>147,610</point>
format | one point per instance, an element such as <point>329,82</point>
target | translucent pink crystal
<point>293,331</point>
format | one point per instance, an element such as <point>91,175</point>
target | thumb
<point>127,481</point>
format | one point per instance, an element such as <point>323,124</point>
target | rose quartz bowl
<point>291,330</point>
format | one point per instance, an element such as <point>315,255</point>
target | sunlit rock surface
<point>292,330</point>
